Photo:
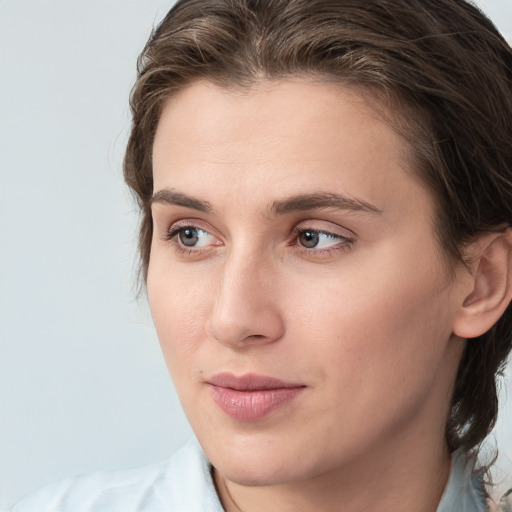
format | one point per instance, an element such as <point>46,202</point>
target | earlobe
<point>490,286</point>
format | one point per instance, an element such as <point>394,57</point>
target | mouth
<point>251,397</point>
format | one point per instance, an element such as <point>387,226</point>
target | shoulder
<point>182,483</point>
<point>465,488</point>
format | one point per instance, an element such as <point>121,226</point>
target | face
<point>295,281</point>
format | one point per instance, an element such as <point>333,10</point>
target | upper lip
<point>250,382</point>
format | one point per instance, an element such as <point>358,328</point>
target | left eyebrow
<point>321,200</point>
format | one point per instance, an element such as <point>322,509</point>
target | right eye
<point>188,237</point>
<point>192,237</point>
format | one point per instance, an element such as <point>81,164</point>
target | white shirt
<point>184,484</point>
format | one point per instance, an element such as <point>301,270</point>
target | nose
<point>246,308</point>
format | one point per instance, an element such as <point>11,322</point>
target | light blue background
<point>82,383</point>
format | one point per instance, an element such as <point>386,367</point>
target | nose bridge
<point>245,309</point>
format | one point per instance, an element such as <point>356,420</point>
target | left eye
<point>311,239</point>
<point>194,237</point>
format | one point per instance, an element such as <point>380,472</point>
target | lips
<point>251,397</point>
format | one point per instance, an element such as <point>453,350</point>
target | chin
<point>262,464</point>
<point>263,475</point>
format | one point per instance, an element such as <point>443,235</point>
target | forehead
<point>279,138</point>
<point>287,107</point>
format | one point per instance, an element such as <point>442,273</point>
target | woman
<point>326,198</point>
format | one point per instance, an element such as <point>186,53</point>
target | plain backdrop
<point>83,385</point>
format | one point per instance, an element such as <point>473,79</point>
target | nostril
<point>234,327</point>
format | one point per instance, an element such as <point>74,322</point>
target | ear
<point>487,291</point>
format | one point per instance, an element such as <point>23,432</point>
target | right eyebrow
<point>171,197</point>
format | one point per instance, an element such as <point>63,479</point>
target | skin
<point>364,321</point>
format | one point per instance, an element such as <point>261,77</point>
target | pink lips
<point>251,397</point>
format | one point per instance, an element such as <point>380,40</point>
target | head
<point>435,72</point>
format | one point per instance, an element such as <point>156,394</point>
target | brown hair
<point>446,75</point>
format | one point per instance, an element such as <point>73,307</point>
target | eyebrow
<point>322,200</point>
<point>300,202</point>
<point>171,197</point>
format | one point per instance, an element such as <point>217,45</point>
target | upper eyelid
<point>337,231</point>
<point>189,223</point>
<point>318,230</point>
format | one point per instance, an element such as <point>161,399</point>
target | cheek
<point>381,346</point>
<point>179,307</point>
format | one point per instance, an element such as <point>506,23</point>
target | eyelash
<point>344,244</point>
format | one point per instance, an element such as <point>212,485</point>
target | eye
<point>189,237</point>
<point>192,237</point>
<point>318,240</point>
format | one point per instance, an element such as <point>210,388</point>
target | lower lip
<point>252,405</point>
